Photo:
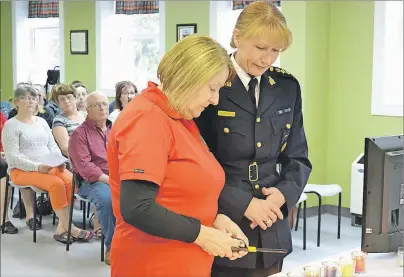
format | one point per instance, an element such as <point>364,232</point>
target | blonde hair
<point>189,65</point>
<point>261,17</point>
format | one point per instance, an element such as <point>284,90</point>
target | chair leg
<point>12,198</point>
<point>41,210</point>
<point>88,209</point>
<point>3,220</point>
<point>84,215</point>
<point>19,200</point>
<point>34,208</point>
<point>319,220</point>
<point>102,247</point>
<point>304,224</point>
<point>69,228</point>
<point>297,216</point>
<point>54,218</point>
<point>339,215</point>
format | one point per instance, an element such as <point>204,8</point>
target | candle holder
<point>400,256</point>
<point>312,271</point>
<point>346,266</point>
<point>360,261</point>
<point>330,269</point>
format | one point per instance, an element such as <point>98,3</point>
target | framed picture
<point>184,30</point>
<point>79,42</point>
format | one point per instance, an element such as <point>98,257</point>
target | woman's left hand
<point>226,225</point>
<point>62,167</point>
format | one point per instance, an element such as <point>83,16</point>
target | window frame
<point>162,37</point>
<point>378,107</point>
<point>15,5</point>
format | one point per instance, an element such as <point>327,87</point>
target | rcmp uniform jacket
<point>249,143</point>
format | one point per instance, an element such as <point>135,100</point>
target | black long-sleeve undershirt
<point>139,209</point>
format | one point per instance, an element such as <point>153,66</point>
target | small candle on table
<point>346,267</point>
<point>360,261</point>
<point>312,271</point>
<point>330,269</point>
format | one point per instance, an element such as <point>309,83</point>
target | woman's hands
<point>226,225</point>
<point>44,168</point>
<point>218,243</point>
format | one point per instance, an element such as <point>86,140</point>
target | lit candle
<point>312,271</point>
<point>330,269</point>
<point>346,267</point>
<point>360,261</point>
<point>400,256</point>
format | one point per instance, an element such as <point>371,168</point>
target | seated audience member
<point>52,108</point>
<point>26,139</point>
<point>111,107</point>
<point>88,156</point>
<point>81,94</point>
<point>39,110</point>
<point>124,92</point>
<point>69,119</point>
<point>42,101</point>
<point>9,227</point>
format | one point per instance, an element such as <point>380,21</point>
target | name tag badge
<point>226,113</point>
<point>288,110</point>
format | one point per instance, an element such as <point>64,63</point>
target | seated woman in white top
<point>124,92</point>
<point>26,140</point>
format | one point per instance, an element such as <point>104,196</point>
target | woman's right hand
<point>44,168</point>
<point>217,243</point>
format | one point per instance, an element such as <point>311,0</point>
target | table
<point>378,265</point>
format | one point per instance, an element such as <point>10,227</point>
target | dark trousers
<point>224,271</point>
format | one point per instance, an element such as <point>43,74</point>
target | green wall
<point>331,56</point>
<point>6,66</point>
<point>350,88</point>
<point>80,15</point>
<point>182,12</point>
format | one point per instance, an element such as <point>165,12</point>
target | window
<point>387,94</point>
<point>222,21</point>
<point>129,47</point>
<point>40,45</point>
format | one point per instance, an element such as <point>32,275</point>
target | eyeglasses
<point>99,105</point>
<point>125,93</point>
<point>29,98</point>
<point>68,97</point>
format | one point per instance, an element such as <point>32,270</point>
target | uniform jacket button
<point>259,144</point>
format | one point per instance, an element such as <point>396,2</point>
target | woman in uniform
<point>165,183</point>
<point>257,125</point>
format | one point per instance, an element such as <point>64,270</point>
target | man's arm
<point>79,153</point>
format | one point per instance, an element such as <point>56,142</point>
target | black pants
<point>224,271</point>
<point>3,168</point>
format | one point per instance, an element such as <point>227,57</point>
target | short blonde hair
<point>189,65</point>
<point>261,17</point>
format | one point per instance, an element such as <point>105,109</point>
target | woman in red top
<point>9,228</point>
<point>165,183</point>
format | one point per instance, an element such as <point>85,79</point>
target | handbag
<point>53,77</point>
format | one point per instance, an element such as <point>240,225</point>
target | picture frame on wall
<point>184,30</point>
<point>79,42</point>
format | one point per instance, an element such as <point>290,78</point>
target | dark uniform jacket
<point>249,142</point>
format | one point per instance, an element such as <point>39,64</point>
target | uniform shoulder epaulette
<point>281,71</point>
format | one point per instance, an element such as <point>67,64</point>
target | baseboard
<point>325,209</point>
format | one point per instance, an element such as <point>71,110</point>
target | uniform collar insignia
<point>271,81</point>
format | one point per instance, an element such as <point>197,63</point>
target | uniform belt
<point>250,171</point>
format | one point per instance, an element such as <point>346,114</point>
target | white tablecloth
<point>378,265</point>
